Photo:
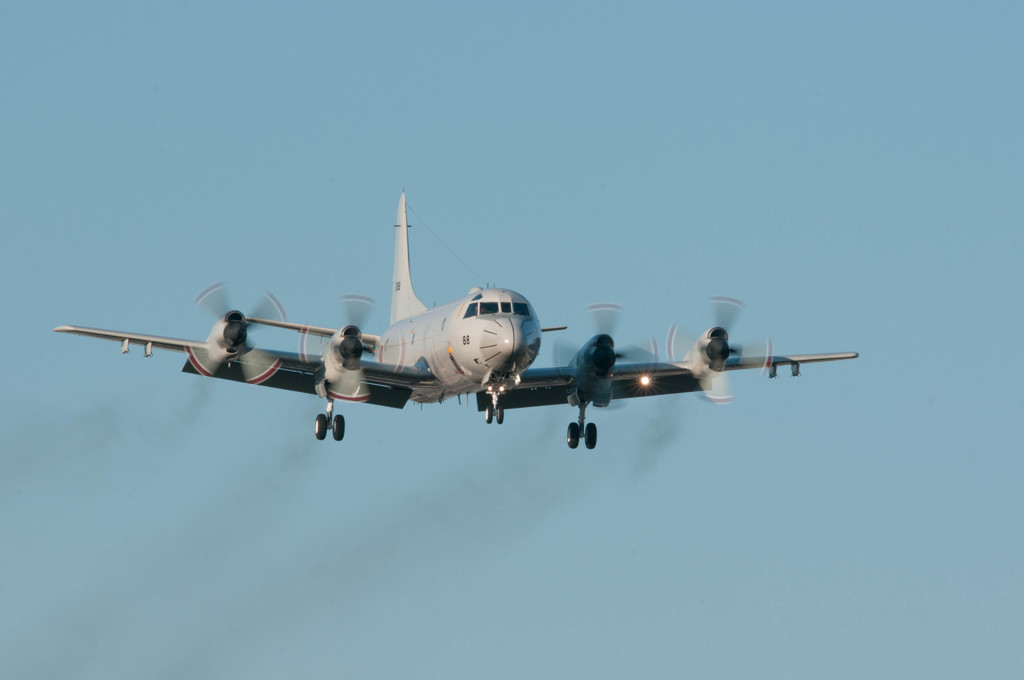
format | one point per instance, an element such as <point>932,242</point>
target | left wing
<point>770,362</point>
<point>550,386</point>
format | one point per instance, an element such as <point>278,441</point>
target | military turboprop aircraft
<point>482,344</point>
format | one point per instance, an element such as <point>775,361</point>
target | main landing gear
<point>324,422</point>
<point>581,427</point>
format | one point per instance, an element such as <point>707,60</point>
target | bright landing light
<point>645,380</point>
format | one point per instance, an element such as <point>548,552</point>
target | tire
<point>320,426</point>
<point>488,415</point>
<point>572,436</point>
<point>338,430</point>
<point>499,415</point>
<point>590,435</point>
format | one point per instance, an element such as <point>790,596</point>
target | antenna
<point>438,238</point>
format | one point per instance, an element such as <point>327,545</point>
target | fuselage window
<point>488,308</point>
<point>506,307</point>
<point>520,309</point>
<point>470,311</point>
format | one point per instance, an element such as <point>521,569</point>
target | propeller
<point>214,299</point>
<point>725,311</point>
<point>605,317</point>
<point>343,375</point>
<point>355,310</point>
<point>718,349</point>
<point>229,339</point>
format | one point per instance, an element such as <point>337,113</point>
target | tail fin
<point>404,302</point>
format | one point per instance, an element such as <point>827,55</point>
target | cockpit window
<point>470,311</point>
<point>478,296</point>
<point>506,307</point>
<point>520,309</point>
<point>488,308</point>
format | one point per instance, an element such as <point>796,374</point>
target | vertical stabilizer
<point>403,300</point>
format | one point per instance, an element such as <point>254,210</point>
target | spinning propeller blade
<point>256,365</point>
<point>725,311</point>
<point>605,317</point>
<point>213,299</point>
<point>357,309</point>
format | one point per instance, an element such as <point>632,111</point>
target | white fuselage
<point>487,338</point>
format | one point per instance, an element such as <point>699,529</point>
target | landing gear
<point>494,411</point>
<point>572,437</point>
<point>325,421</point>
<point>581,427</point>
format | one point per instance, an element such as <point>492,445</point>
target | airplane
<point>483,344</point>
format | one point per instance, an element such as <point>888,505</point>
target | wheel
<point>338,430</point>
<point>572,437</point>
<point>590,435</point>
<point>488,415</point>
<point>320,426</point>
<point>499,415</point>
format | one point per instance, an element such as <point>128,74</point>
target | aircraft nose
<point>509,344</point>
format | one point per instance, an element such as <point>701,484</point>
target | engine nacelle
<point>227,339</point>
<point>341,377</point>
<point>349,348</point>
<point>235,333</point>
<point>599,355</point>
<point>711,352</point>
<point>344,353</point>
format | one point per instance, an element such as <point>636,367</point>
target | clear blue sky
<point>852,171</point>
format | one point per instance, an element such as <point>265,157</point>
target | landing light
<point>645,380</point>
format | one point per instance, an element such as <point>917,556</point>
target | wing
<point>152,341</point>
<point>296,375</point>
<point>319,331</point>
<point>550,386</point>
<point>388,385</point>
<point>771,361</point>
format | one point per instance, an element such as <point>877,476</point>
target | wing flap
<point>288,378</point>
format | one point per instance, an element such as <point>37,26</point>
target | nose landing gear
<point>494,411</point>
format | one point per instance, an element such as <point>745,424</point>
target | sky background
<point>852,171</point>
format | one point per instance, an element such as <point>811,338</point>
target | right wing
<point>320,331</point>
<point>388,385</point>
